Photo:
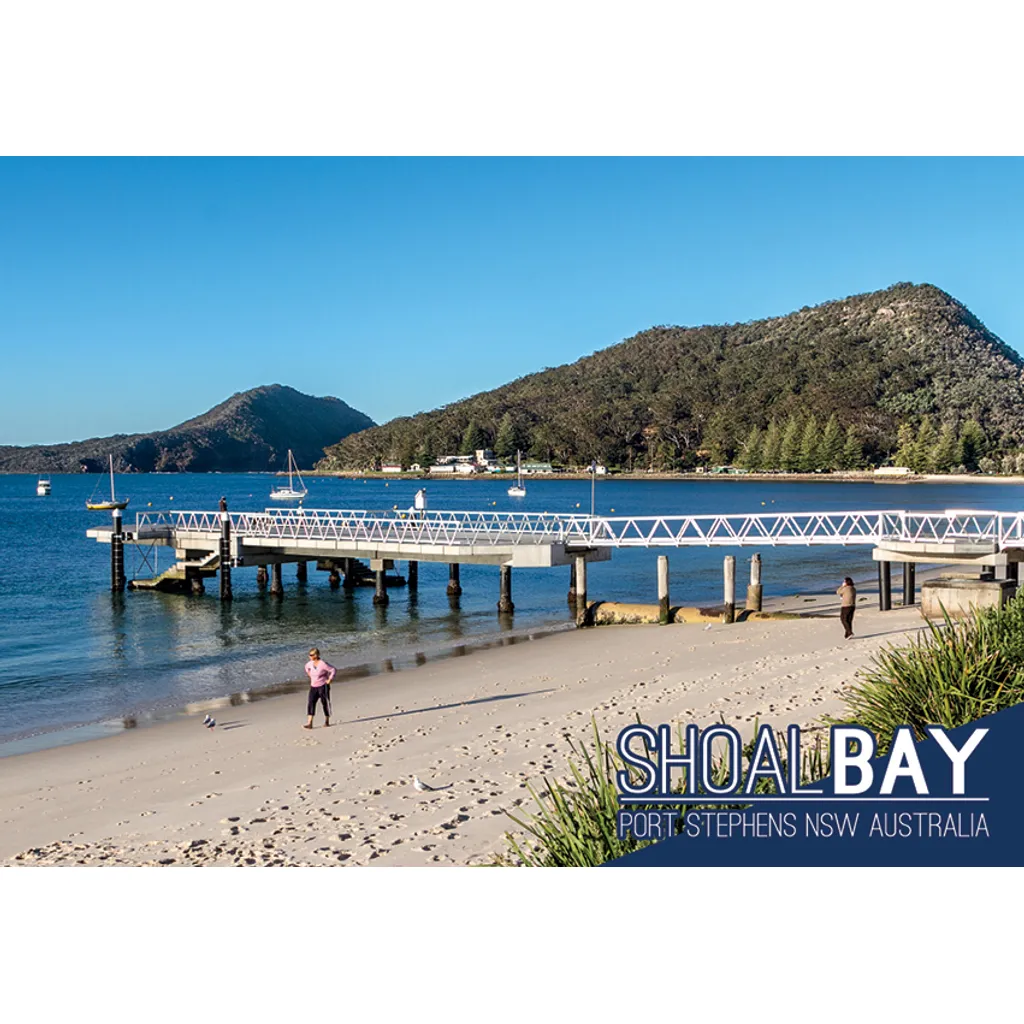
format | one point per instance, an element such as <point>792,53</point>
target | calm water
<point>71,653</point>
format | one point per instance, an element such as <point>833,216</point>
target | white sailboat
<point>43,487</point>
<point>517,490</point>
<point>105,506</point>
<point>291,492</point>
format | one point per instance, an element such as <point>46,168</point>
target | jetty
<point>363,546</point>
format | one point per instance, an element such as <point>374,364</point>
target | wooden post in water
<point>908,583</point>
<point>454,587</point>
<point>380,592</point>
<point>261,577</point>
<point>729,614</point>
<point>572,586</point>
<point>225,552</point>
<point>581,590</point>
<point>884,587</point>
<point>413,580</point>
<point>117,577</point>
<point>754,592</point>
<point>301,572</point>
<point>349,582</point>
<point>276,583</point>
<point>663,608</point>
<point>505,605</point>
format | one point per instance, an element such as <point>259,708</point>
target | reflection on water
<point>70,652</point>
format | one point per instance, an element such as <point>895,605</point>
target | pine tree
<point>426,454</point>
<point>946,453</point>
<point>973,445</point>
<point>810,447</point>
<point>922,459</point>
<point>507,441</point>
<point>771,448</point>
<point>790,457</point>
<point>853,451</point>
<point>750,456</point>
<point>905,446</point>
<point>473,438</point>
<point>831,450</point>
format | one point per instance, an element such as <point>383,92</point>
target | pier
<point>365,545</point>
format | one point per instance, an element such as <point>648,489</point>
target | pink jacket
<point>319,673</point>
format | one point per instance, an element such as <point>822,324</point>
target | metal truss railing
<point>1005,529</point>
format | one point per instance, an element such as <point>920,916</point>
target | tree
<point>750,455</point>
<point>718,438</point>
<point>831,448</point>
<point>790,457</point>
<point>946,453</point>
<point>922,456</point>
<point>973,445</point>
<point>473,438</point>
<point>853,450</point>
<point>810,446</point>
<point>771,449</point>
<point>426,454</point>
<point>905,453</point>
<point>507,442</point>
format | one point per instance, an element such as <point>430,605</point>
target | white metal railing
<point>1004,529</point>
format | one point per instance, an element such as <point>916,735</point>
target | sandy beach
<point>260,790</point>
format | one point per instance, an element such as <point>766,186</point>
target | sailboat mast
<point>291,462</point>
<point>111,458</point>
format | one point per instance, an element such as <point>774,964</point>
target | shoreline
<point>258,789</point>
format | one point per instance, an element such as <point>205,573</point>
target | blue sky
<point>135,293</point>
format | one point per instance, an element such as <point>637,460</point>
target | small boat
<point>115,502</point>
<point>43,487</point>
<point>291,492</point>
<point>517,490</point>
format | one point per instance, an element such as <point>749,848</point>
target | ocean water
<point>72,654</point>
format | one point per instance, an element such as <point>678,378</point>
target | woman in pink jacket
<point>320,676</point>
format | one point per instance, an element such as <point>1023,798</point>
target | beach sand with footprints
<point>259,790</point>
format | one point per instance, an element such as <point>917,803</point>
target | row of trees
<point>927,450</point>
<point>801,446</point>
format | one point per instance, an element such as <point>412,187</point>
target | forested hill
<point>252,430</point>
<point>909,358</point>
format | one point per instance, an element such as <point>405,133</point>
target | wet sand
<point>260,790</point>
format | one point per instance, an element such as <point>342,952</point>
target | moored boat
<point>114,502</point>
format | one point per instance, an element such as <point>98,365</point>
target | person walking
<point>320,676</point>
<point>848,605</point>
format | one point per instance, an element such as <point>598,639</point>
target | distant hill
<point>890,366</point>
<point>252,430</point>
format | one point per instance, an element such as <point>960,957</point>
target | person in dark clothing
<point>848,605</point>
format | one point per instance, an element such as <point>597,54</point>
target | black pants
<point>846,618</point>
<point>319,693</point>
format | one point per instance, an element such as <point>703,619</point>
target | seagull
<point>209,722</point>
<point>421,787</point>
<point>707,627</point>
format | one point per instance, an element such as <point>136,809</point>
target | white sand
<point>259,789</point>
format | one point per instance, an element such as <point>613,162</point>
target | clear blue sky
<point>135,293</point>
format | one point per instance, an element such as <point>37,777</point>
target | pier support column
<point>117,577</point>
<point>754,591</point>
<point>884,587</point>
<point>301,572</point>
<point>333,578</point>
<point>413,577</point>
<point>908,583</point>
<point>261,577</point>
<point>225,552</point>
<point>454,587</point>
<point>196,585</point>
<point>663,609</point>
<point>1012,571</point>
<point>380,593</point>
<point>729,569</point>
<point>505,605</point>
<point>276,583</point>
<point>349,582</point>
<point>571,596</point>
<point>581,590</point>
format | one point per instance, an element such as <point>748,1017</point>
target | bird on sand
<point>209,722</point>
<point>421,787</point>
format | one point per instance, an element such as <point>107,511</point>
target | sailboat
<point>107,506</point>
<point>517,490</point>
<point>290,492</point>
